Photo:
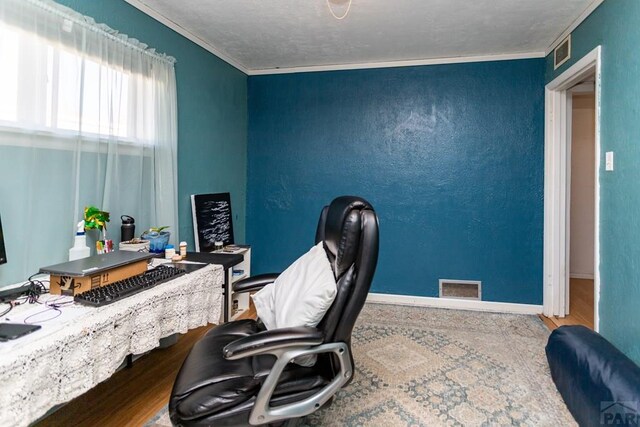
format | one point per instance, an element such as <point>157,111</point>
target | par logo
<point>625,414</point>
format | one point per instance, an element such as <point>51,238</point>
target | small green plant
<point>96,219</point>
<point>159,229</point>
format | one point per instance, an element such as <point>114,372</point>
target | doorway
<point>580,306</point>
<point>559,258</point>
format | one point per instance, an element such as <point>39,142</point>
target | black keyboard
<point>124,288</point>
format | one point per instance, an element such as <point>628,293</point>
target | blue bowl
<point>157,241</point>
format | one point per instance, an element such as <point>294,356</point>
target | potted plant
<point>158,238</point>
<point>96,219</point>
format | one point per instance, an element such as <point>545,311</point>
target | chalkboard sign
<point>212,220</point>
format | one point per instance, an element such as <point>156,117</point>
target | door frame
<point>557,185</point>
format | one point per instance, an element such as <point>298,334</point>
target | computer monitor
<point>3,254</point>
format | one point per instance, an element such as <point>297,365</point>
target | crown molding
<point>391,64</point>
<point>141,6</point>
<point>584,15</point>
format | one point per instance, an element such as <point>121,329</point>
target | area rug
<point>431,367</point>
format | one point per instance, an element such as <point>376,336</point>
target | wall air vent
<point>461,289</point>
<point>562,53</point>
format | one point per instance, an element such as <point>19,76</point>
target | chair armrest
<point>275,339</point>
<point>254,283</point>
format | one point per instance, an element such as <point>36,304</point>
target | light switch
<point>608,165</point>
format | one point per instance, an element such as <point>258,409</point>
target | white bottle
<point>80,248</point>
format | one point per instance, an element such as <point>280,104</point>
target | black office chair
<point>239,373</point>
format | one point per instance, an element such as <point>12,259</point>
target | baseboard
<point>581,276</point>
<point>458,304</point>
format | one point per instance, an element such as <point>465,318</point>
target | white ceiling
<point>269,34</point>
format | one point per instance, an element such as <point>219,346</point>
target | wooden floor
<point>134,395</point>
<point>580,306</point>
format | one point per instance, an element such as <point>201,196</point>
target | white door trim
<point>557,156</point>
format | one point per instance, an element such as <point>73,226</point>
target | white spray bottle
<point>80,248</point>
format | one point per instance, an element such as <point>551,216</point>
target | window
<point>73,93</point>
<point>88,116</point>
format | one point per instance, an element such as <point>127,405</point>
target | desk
<point>227,261</point>
<point>85,345</point>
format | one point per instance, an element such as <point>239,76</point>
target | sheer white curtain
<point>87,117</point>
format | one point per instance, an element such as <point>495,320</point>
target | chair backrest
<point>348,228</point>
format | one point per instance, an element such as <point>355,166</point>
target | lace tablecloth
<point>85,345</point>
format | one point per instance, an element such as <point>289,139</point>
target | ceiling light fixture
<point>336,16</point>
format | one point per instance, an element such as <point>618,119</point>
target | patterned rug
<point>431,367</point>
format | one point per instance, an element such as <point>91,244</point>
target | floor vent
<point>461,289</point>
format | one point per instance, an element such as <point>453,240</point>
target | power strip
<point>13,293</point>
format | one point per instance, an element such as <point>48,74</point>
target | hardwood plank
<point>134,395</point>
<point>581,303</point>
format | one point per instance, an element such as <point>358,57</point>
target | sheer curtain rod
<point>89,23</point>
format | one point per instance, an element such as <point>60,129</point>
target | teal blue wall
<point>615,25</point>
<point>451,157</point>
<point>212,111</point>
